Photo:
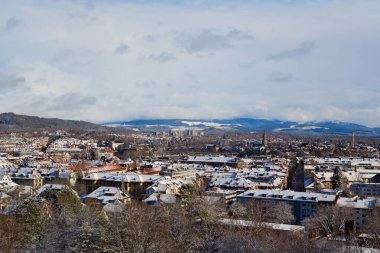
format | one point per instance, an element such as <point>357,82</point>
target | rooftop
<point>288,195</point>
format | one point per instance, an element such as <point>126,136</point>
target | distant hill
<point>14,122</point>
<point>10,122</point>
<point>253,125</point>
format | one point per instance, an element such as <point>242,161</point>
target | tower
<point>264,141</point>
<point>296,175</point>
<point>353,140</point>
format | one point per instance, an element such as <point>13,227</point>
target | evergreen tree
<point>68,201</point>
<point>188,195</point>
<point>49,195</point>
<point>92,237</point>
<point>337,178</point>
<point>29,215</point>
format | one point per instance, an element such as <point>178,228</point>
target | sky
<point>108,60</point>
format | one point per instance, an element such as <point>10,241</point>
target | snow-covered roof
<point>211,159</point>
<point>125,177</point>
<point>106,195</point>
<point>288,195</point>
<point>357,202</point>
<point>54,187</point>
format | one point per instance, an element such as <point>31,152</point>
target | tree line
<point>59,222</point>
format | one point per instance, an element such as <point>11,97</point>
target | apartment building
<point>303,204</point>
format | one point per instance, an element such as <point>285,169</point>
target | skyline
<point>116,60</point>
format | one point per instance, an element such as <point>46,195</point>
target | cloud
<point>70,101</point>
<point>72,58</point>
<point>11,24</point>
<point>145,84</point>
<point>279,77</point>
<point>122,49</point>
<point>206,40</point>
<point>195,2</point>
<point>10,82</point>
<point>304,48</point>
<point>209,40</point>
<point>162,57</point>
<point>240,35</point>
<point>75,67</point>
<point>247,64</point>
<point>149,96</point>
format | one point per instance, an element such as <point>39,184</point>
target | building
<point>5,185</point>
<point>296,176</point>
<point>216,161</point>
<point>355,163</point>
<point>279,229</point>
<point>106,195</point>
<point>161,199</point>
<point>52,187</point>
<point>348,177</point>
<point>116,169</point>
<point>179,171</point>
<point>303,204</point>
<point>364,190</point>
<point>133,183</point>
<point>233,183</point>
<point>264,141</point>
<point>360,209</point>
<point>226,196</point>
<point>31,178</point>
<point>167,185</point>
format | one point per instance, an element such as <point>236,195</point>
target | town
<point>229,187</point>
<point>189,126</point>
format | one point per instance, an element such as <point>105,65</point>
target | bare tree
<point>12,235</point>
<point>371,229</point>
<point>139,229</point>
<point>330,220</point>
<point>279,212</point>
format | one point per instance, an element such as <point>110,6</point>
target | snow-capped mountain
<point>251,125</point>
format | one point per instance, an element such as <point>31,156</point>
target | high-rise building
<point>296,176</point>
<point>264,141</point>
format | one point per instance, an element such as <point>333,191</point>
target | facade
<point>179,172</point>
<point>359,207</point>
<point>133,183</point>
<point>296,177</point>
<point>366,189</point>
<point>226,196</point>
<point>216,161</point>
<point>303,204</point>
<point>33,179</point>
<point>264,141</point>
<point>355,163</point>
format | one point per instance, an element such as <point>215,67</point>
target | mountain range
<point>251,125</point>
<point>14,122</point>
<point>10,122</point>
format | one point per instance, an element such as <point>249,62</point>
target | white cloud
<point>162,57</point>
<point>301,61</point>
